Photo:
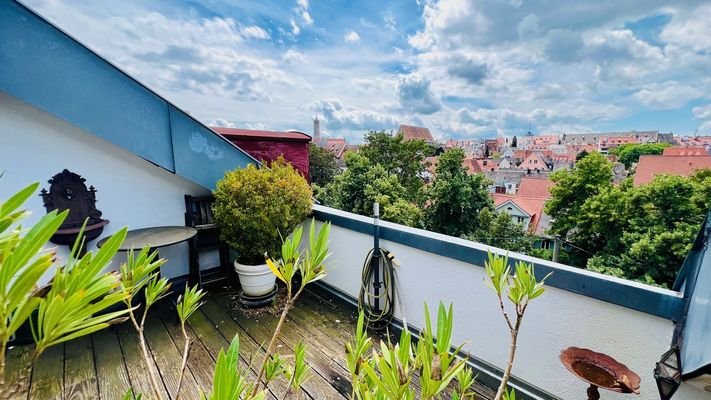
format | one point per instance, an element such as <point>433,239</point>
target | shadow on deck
<point>105,364</point>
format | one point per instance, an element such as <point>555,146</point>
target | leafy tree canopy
<point>655,226</point>
<point>628,154</point>
<point>322,165</point>
<point>362,184</point>
<point>499,230</point>
<point>572,187</point>
<point>584,153</point>
<point>400,157</point>
<point>641,233</point>
<point>455,198</point>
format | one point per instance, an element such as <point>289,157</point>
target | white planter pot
<point>256,280</point>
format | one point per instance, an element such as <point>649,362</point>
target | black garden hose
<point>380,317</point>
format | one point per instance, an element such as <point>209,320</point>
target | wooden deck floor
<point>105,364</point>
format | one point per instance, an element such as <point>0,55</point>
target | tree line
<point>393,172</point>
<point>641,233</point>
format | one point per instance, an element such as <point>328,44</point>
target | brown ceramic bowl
<point>600,370</point>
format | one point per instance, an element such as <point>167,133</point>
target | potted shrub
<point>256,208</point>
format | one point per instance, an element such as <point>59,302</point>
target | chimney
<point>317,130</point>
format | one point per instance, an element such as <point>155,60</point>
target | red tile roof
<point>534,161</point>
<point>410,132</point>
<point>651,165</point>
<point>685,151</point>
<point>535,187</point>
<point>533,206</point>
<point>471,165</point>
<point>257,134</point>
<point>336,146</point>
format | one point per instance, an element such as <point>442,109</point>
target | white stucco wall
<point>555,321</point>
<point>131,192</point>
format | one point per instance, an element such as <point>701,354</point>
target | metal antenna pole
<point>375,260</point>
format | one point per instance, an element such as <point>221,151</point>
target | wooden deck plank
<point>135,364</point>
<point>316,307</point>
<point>48,375</point>
<point>200,363</point>
<point>17,359</point>
<point>79,372</point>
<point>106,364</point>
<point>168,358</point>
<point>111,372</point>
<point>262,328</point>
<point>249,349</point>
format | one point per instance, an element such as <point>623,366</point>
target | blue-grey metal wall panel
<point>201,155</point>
<point>696,342</point>
<point>46,68</point>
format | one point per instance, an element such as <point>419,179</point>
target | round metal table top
<point>154,237</point>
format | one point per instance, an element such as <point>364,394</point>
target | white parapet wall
<point>131,191</point>
<point>557,320</point>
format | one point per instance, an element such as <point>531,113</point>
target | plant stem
<point>289,302</point>
<point>2,364</point>
<point>512,353</point>
<point>186,353</point>
<point>144,351</point>
<point>288,388</point>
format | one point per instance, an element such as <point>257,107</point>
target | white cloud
<point>416,95</point>
<point>691,30</point>
<point>339,117</point>
<point>293,56</point>
<point>225,123</point>
<point>351,37</point>
<point>702,112</point>
<point>667,95</point>
<point>390,21</point>
<point>222,123</point>
<point>495,59</point>
<point>529,27</point>
<point>254,32</point>
<point>705,128</point>
<point>295,28</point>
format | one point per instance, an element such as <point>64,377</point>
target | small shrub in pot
<point>257,207</point>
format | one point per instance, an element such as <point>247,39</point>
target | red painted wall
<point>297,153</point>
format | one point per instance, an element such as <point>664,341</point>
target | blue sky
<point>463,68</point>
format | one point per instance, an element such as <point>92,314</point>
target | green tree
<point>643,233</point>
<point>662,222</point>
<point>402,158</point>
<point>499,230</point>
<point>628,154</point>
<point>455,198</point>
<point>362,184</point>
<point>584,153</point>
<point>602,219</point>
<point>322,165</point>
<point>573,187</point>
<point>514,142</point>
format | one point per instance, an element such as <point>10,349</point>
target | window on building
<point>520,220</point>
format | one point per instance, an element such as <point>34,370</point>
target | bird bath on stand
<point>599,370</point>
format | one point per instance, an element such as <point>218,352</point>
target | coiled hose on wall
<point>380,317</point>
